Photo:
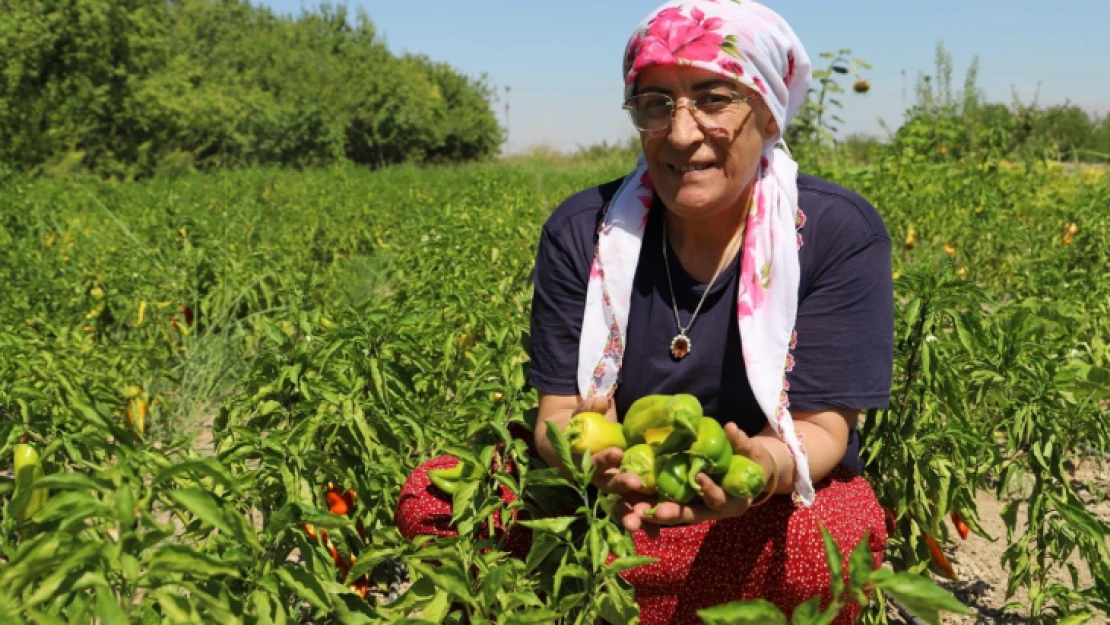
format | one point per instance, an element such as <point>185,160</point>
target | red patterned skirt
<point>774,552</point>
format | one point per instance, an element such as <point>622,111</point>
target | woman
<point>716,269</point>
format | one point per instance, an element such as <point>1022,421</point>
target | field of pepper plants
<point>224,380</point>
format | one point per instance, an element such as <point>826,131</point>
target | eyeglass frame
<point>674,103</point>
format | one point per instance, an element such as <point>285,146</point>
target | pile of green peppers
<point>667,441</point>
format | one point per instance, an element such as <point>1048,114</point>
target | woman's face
<point>700,174</point>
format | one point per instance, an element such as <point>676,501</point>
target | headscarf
<point>746,42</point>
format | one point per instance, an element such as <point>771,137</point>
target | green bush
<point>130,88</point>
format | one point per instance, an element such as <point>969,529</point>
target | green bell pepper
<point>591,432</point>
<point>640,459</point>
<point>745,477</point>
<point>447,480</point>
<point>711,452</point>
<point>666,422</point>
<point>672,483</point>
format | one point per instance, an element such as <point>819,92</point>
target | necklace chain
<point>680,344</point>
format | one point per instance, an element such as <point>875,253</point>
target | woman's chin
<point>695,201</point>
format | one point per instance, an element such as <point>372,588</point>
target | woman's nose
<point>685,130</point>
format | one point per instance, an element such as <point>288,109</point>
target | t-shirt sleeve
<point>844,352</point>
<point>558,303</point>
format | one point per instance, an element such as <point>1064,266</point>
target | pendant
<point>680,346</point>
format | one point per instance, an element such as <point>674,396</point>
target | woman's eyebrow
<point>709,84</point>
<point>701,86</point>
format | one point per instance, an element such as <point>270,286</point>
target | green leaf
<point>202,466</point>
<point>493,584</point>
<point>542,546</point>
<point>42,618</point>
<point>175,607</point>
<point>1079,618</point>
<point>108,609</point>
<point>59,573</point>
<point>305,585</point>
<point>436,609</point>
<point>182,559</point>
<point>573,571</point>
<point>72,481</point>
<point>560,445</point>
<point>860,566</point>
<point>548,476</point>
<point>1081,519</point>
<point>538,616</point>
<point>203,506</point>
<point>628,563</point>
<point>836,567</point>
<point>554,525</point>
<point>922,597</point>
<point>272,331</point>
<point>216,609</point>
<point>448,577</point>
<point>755,612</point>
<point>367,561</point>
<point>34,556</point>
<point>809,613</point>
<point>968,339</point>
<point>617,604</point>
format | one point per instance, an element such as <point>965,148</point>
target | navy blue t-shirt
<point>845,325</point>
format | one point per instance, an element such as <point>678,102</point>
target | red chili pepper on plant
<point>961,527</point>
<point>891,522</point>
<point>340,502</point>
<point>940,560</point>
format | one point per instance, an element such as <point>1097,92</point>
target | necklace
<point>681,346</point>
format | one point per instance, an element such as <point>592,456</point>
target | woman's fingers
<point>670,513</point>
<point>606,459</point>
<point>620,483</point>
<point>630,510</point>
<point>593,404</point>
<point>713,495</point>
<point>608,476</point>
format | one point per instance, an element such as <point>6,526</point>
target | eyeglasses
<point>713,110</point>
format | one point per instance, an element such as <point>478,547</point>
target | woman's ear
<point>770,124</point>
<point>772,127</point>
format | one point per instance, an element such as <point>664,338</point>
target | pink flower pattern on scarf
<point>673,36</point>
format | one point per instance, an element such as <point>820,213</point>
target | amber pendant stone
<point>680,346</point>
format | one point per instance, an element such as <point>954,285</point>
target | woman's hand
<point>715,504</point>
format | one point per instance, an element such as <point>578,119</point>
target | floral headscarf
<point>746,42</point>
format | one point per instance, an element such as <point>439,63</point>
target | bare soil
<point>978,560</point>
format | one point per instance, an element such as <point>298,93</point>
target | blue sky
<point>561,59</point>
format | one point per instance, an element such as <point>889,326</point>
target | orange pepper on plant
<point>961,527</point>
<point>940,560</point>
<point>340,502</point>
<point>309,530</point>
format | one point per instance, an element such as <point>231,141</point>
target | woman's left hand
<point>715,504</point>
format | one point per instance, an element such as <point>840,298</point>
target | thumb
<point>741,443</point>
<point>596,403</point>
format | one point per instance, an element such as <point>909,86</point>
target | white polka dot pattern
<point>774,552</point>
